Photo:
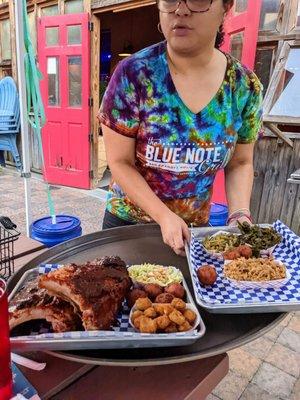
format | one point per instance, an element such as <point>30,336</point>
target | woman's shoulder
<point>242,76</point>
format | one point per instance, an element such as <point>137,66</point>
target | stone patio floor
<point>265,369</point>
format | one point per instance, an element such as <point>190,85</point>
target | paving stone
<point>274,333</point>
<point>296,391</point>
<point>294,323</point>
<point>274,381</point>
<point>259,347</point>
<point>254,392</point>
<point>285,359</point>
<point>290,339</point>
<point>231,387</point>
<point>243,363</point>
<point>212,397</point>
<point>286,320</point>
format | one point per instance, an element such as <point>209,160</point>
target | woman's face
<point>187,32</point>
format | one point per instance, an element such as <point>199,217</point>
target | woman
<point>173,115</point>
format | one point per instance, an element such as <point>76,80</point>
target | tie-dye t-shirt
<point>178,152</point>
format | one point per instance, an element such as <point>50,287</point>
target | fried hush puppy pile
<point>171,317</point>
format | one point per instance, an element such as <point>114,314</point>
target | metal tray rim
<point>116,337</point>
<point>237,308</point>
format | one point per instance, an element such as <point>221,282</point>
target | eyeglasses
<point>195,6</point>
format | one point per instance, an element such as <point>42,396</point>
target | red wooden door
<point>64,54</point>
<point>241,29</point>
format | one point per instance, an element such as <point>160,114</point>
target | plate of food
<point>262,239</point>
<point>256,273</point>
<point>251,240</point>
<point>87,306</point>
<point>243,281</point>
<point>176,316</point>
<point>220,242</point>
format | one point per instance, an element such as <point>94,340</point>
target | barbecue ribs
<point>97,289</point>
<point>35,303</point>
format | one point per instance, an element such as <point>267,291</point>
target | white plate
<point>214,253</point>
<point>274,284</point>
<point>263,253</point>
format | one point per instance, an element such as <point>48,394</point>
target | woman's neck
<point>184,63</point>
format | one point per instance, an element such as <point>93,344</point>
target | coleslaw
<point>152,273</point>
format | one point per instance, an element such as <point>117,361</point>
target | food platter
<point>136,244</point>
<point>226,297</point>
<point>122,335</point>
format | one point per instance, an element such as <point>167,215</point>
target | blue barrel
<point>218,214</point>
<point>67,227</point>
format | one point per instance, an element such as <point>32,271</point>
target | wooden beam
<point>132,7</point>
<point>268,100</point>
<point>100,8</point>
<point>281,119</point>
<point>105,3</point>
<point>87,6</point>
<point>278,133</point>
<point>61,7</point>
<point>292,16</point>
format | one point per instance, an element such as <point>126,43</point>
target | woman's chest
<point>196,94</point>
<point>177,142</point>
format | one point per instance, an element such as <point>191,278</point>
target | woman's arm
<point>120,152</point>
<point>239,178</point>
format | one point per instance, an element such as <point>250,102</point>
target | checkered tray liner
<point>224,293</point>
<point>123,329</point>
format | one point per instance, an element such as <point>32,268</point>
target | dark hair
<point>221,34</point>
<point>220,37</point>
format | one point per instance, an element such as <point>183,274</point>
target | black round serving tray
<point>143,243</point>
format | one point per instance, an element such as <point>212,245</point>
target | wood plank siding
<point>273,197</point>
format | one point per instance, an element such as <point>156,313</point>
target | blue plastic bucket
<point>218,214</point>
<point>67,227</point>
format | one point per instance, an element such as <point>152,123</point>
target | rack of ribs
<point>34,303</point>
<point>97,289</point>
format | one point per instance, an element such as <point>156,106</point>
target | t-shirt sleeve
<point>119,109</point>
<point>252,113</point>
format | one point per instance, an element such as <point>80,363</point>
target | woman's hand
<point>174,232</point>
<point>234,222</point>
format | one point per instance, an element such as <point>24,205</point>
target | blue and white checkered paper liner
<point>123,329</point>
<point>223,292</point>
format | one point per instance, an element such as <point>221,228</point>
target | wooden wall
<point>273,197</point>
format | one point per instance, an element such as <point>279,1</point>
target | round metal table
<point>143,243</point>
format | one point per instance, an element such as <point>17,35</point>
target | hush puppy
<point>207,274</point>
<point>164,298</point>
<point>153,290</point>
<point>133,295</point>
<point>176,289</point>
